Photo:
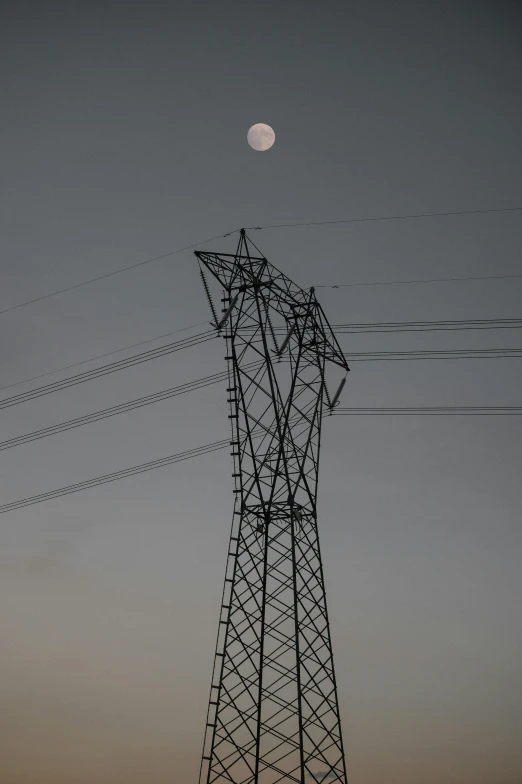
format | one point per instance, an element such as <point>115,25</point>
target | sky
<point>123,137</point>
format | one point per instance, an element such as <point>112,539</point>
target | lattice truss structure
<point>273,712</point>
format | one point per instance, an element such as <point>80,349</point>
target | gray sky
<point>123,130</point>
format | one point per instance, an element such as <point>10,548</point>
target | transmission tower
<point>273,712</point>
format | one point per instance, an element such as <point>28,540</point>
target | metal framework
<point>273,712</point>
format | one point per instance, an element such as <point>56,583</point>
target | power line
<point>195,340</point>
<point>216,445</point>
<point>101,356</point>
<point>382,218</point>
<point>104,370</point>
<point>271,226</point>
<point>427,326</point>
<point>121,408</point>
<point>431,411</point>
<point>420,280</point>
<point>190,386</point>
<point>392,326</point>
<point>181,389</point>
<point>112,477</point>
<point>112,274</point>
<point>473,353</point>
<point>259,432</point>
<point>421,326</point>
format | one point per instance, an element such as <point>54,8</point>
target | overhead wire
<point>195,340</point>
<point>121,408</point>
<point>473,353</point>
<point>349,328</point>
<point>114,272</point>
<point>430,411</point>
<point>112,477</point>
<point>369,219</point>
<point>418,280</point>
<point>427,326</point>
<point>104,370</point>
<point>420,326</point>
<point>164,394</point>
<point>411,216</point>
<point>210,334</point>
<point>102,356</point>
<point>258,432</point>
<point>221,444</point>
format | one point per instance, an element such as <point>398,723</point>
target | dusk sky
<point>123,137</point>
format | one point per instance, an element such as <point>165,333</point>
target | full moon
<point>261,137</point>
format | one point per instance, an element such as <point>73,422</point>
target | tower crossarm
<point>245,273</point>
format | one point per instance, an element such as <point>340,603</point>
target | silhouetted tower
<point>273,713</point>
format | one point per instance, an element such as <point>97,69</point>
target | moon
<point>261,137</point>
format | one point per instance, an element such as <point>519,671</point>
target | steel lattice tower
<point>273,713</point>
